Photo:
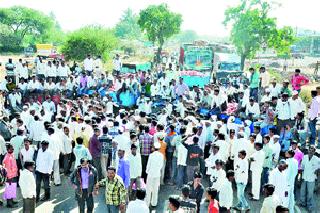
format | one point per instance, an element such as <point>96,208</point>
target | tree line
<point>252,29</point>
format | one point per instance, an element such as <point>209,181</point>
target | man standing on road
<point>84,178</point>
<point>254,83</point>
<point>115,191</point>
<point>95,150</point>
<point>313,114</point>
<point>27,185</point>
<point>310,164</point>
<point>44,165</point>
<point>88,64</point>
<point>154,166</point>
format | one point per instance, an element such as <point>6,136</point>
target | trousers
<point>152,190</point>
<point>307,194</point>
<point>29,205</point>
<point>104,164</point>
<point>256,184</point>
<point>97,164</point>
<point>56,172</point>
<point>83,199</point>
<point>242,202</point>
<point>46,182</point>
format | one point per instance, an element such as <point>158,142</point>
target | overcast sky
<point>203,16</point>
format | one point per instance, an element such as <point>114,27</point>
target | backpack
<point>3,175</point>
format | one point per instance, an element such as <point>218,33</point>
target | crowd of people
<point>260,138</point>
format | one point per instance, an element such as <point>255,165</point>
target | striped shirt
<point>115,191</point>
<point>146,142</point>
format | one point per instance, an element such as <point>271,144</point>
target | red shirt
<point>213,207</point>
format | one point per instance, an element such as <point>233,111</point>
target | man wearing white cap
<point>267,96</point>
<point>278,178</point>
<point>296,104</point>
<point>154,166</point>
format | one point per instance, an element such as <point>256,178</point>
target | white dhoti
<point>152,190</point>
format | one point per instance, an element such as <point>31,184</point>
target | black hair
<point>105,130</point>
<point>82,160</point>
<point>195,140</point>
<point>79,140</point>
<point>140,194</point>
<point>260,145</point>
<point>212,192</point>
<point>133,146</point>
<point>185,190</point>
<point>175,202</point>
<point>281,209</point>
<point>197,175</point>
<point>243,152</point>
<point>230,173</point>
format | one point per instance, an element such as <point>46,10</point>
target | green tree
<point>253,30</point>
<point>22,22</point>
<point>160,24</point>
<point>128,26</point>
<point>94,40</point>
<point>281,41</point>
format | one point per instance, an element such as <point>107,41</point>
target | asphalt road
<point>62,200</point>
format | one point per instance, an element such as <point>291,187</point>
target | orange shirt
<point>10,164</point>
<point>163,147</point>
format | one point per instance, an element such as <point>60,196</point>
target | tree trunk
<point>243,58</point>
<point>159,54</point>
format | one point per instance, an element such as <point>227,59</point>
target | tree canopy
<point>21,25</point>
<point>128,26</point>
<point>253,30</point>
<point>94,40</point>
<point>159,23</point>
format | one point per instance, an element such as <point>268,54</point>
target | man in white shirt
<point>226,192</point>
<point>66,150</point>
<point>134,159</point>
<point>271,201</point>
<point>98,66</point>
<point>55,145</point>
<point>217,175</point>
<point>44,165</point>
<point>283,111</point>
<point>278,178</point>
<point>17,142</point>
<point>138,205</point>
<point>154,167</point>
<point>88,64</point>
<point>296,104</point>
<point>264,77</point>
<point>241,169</point>
<point>27,153</point>
<point>63,71</point>
<point>27,185</point>
<point>117,64</point>
<point>310,164</point>
<point>252,109</point>
<point>257,159</point>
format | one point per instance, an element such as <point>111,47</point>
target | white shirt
<point>88,64</point>
<point>276,148</point>
<point>255,109</point>
<point>49,106</point>
<point>123,142</point>
<point>182,154</point>
<point>223,149</point>
<point>33,85</point>
<point>309,166</point>
<point>3,149</point>
<point>241,170</point>
<point>27,154</point>
<point>55,145</point>
<point>36,130</point>
<point>63,71</point>
<point>296,106</point>
<point>155,164</point>
<point>211,161</point>
<point>137,206</point>
<point>274,91</point>
<point>257,162</point>
<point>283,110</point>
<point>51,71</point>
<point>270,204</point>
<point>226,194</point>
<point>279,180</point>
<point>44,162</point>
<point>216,178</point>
<point>17,143</point>
<point>135,165</point>
<point>27,184</point>
<point>24,72</point>
<point>67,144</point>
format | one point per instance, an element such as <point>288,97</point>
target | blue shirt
<point>85,178</point>
<point>124,171</point>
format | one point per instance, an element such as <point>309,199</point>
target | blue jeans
<point>264,176</point>
<point>182,176</point>
<point>112,209</point>
<point>312,127</point>
<point>242,202</point>
<point>254,93</point>
<point>174,170</point>
<point>307,194</point>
